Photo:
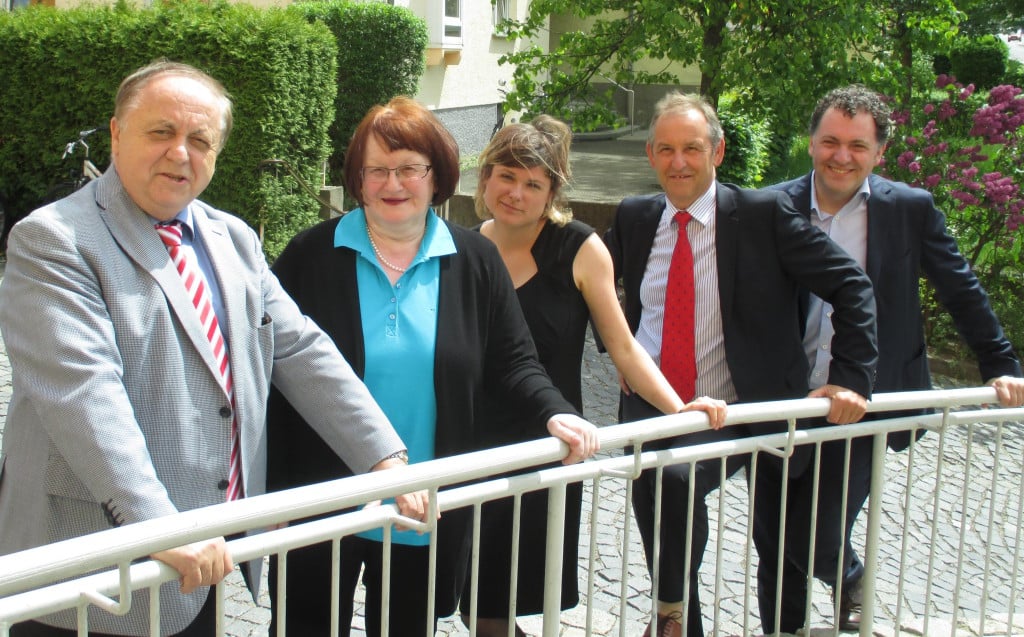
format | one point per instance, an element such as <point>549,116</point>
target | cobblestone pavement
<point>979,522</point>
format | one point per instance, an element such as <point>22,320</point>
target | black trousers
<point>675,517</point>
<point>832,530</point>
<point>309,583</point>
<point>495,566</point>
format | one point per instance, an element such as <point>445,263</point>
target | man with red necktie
<point>750,254</point>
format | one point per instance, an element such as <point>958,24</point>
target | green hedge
<point>979,61</point>
<point>381,54</point>
<point>746,146</point>
<point>60,69</point>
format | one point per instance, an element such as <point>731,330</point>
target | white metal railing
<point>947,556</point>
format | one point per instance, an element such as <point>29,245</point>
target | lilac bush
<point>967,149</point>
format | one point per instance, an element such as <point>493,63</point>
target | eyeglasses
<point>408,172</point>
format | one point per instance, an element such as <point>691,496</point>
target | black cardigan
<point>483,342</point>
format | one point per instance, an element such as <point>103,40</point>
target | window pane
<point>451,9</point>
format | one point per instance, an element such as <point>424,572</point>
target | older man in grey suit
<point>130,399</point>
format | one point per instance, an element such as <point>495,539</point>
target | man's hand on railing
<point>716,410</point>
<point>1009,390</point>
<point>847,405</point>
<point>580,435</point>
<point>203,563</point>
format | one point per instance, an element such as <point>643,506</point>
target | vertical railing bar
<point>964,523</point>
<point>553,560</point>
<point>991,527</point>
<point>513,591</point>
<point>871,540</point>
<point>908,497</point>
<point>748,577</point>
<point>595,503</point>
<point>1016,553</point>
<point>720,539</point>
<point>335,586</point>
<point>812,533</point>
<point>939,474</point>
<point>474,566</point>
<point>282,589</point>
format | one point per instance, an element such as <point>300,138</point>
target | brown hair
<point>404,124</point>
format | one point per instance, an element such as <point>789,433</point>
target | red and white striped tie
<point>198,291</point>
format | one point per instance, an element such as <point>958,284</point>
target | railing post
<point>874,523</point>
<point>553,561</point>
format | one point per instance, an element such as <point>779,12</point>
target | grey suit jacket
<point>116,414</point>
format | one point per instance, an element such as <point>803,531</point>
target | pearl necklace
<point>380,256</point>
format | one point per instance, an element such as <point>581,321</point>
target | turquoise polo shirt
<point>400,337</point>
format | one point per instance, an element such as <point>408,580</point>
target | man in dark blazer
<point>119,410</point>
<point>752,253</point>
<point>897,234</point>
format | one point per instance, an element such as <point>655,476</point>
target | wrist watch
<point>402,455</point>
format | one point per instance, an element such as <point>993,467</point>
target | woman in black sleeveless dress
<point>563,277</point>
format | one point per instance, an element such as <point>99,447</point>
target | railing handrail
<point>71,558</point>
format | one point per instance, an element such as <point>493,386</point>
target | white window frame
<point>451,23</point>
<point>502,10</point>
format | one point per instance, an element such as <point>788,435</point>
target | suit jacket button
<point>223,485</point>
<point>225,412</point>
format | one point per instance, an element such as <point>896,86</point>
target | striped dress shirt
<point>713,378</point>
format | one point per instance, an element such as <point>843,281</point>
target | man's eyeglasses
<point>408,172</point>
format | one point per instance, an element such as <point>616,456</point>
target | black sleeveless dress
<point>557,316</point>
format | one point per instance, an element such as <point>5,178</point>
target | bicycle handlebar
<point>70,148</point>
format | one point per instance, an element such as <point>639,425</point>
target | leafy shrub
<point>283,67</point>
<point>746,147</point>
<point>979,61</point>
<point>968,154</point>
<point>367,75</point>
<point>279,70</point>
<point>1014,73</point>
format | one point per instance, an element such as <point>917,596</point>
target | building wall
<point>463,81</point>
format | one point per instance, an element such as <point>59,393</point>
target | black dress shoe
<point>849,607</point>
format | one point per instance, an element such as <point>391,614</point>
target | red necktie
<point>195,285</point>
<point>678,362</point>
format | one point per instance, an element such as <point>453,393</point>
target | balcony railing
<point>942,533</point>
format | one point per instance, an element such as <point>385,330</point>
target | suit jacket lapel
<point>879,210</point>
<point>726,238</point>
<point>224,258</point>
<point>133,230</point>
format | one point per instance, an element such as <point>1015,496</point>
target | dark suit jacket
<point>483,342</point>
<point>766,253</point>
<point>907,238</point>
